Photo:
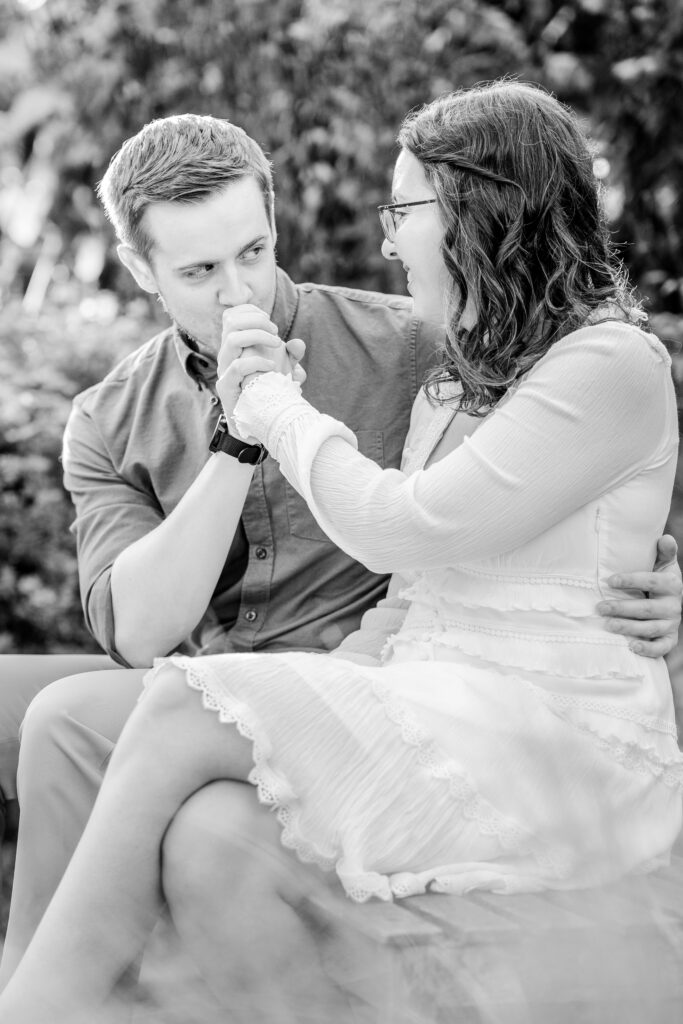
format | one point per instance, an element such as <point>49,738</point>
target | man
<point>164,564</point>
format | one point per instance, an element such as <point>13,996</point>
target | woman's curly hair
<point>524,233</point>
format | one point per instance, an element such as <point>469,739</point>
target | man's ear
<point>139,268</point>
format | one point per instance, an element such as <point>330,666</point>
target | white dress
<point>500,738</point>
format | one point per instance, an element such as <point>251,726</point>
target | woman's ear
<point>139,268</point>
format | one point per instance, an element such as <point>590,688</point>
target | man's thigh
<point>22,676</point>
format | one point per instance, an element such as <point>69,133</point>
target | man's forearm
<point>162,584</point>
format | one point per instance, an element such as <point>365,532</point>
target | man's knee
<point>22,676</point>
<point>73,721</point>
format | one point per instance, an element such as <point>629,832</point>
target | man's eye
<point>253,254</point>
<point>196,273</point>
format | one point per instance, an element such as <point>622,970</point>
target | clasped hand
<point>251,345</point>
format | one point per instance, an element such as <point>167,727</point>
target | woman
<point>506,742</point>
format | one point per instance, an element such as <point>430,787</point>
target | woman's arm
<point>574,429</point>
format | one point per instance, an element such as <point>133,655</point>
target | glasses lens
<point>387,222</point>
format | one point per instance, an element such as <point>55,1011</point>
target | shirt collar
<point>202,368</point>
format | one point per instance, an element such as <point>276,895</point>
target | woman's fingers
<point>245,326</point>
<point>230,383</point>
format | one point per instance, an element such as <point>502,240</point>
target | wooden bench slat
<point>529,910</point>
<point>387,924</point>
<point>463,919</point>
<point>605,908</point>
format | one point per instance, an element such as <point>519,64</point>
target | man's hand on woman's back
<point>653,620</point>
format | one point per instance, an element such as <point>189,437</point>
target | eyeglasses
<point>390,216</point>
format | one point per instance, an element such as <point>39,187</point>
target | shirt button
<point>251,615</point>
<point>261,553</point>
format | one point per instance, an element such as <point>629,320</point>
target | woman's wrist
<point>266,406</point>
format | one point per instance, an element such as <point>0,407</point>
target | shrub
<point>44,361</point>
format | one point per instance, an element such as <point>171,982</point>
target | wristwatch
<point>223,441</point>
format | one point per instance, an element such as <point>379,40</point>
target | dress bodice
<point>534,607</point>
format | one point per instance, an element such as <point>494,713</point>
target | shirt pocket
<point>301,520</point>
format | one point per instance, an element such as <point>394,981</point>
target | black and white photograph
<point>341,350</point>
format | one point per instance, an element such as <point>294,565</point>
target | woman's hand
<point>251,345</point>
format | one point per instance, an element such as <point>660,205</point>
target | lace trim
<point>267,407</point>
<point>582,639</point>
<point>567,700</point>
<point>544,638</point>
<point>631,754</point>
<point>500,577</point>
<point>577,604</point>
<point>473,807</point>
<point>636,757</point>
<point>272,789</point>
<point>564,660</point>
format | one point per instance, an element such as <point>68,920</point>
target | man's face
<point>210,256</point>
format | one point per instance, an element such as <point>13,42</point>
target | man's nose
<point>389,250</point>
<point>232,289</point>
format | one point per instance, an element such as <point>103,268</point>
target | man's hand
<point>251,344</point>
<point>654,620</point>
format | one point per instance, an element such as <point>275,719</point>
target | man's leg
<point>100,917</point>
<point>67,736</point>
<point>22,676</point>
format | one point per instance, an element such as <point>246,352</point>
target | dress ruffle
<point>362,783</point>
<point>519,860</point>
<point>459,588</point>
<point>562,655</point>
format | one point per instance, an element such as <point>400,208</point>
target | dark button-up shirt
<point>136,441</point>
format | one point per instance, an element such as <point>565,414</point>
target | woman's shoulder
<point>606,365</point>
<point>612,341</point>
<point>603,361</point>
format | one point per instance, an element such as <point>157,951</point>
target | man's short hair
<point>186,158</point>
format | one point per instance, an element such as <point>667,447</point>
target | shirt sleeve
<point>590,414</point>
<point>110,515</point>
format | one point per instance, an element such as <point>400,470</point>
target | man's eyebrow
<point>250,245</point>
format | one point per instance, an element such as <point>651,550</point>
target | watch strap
<point>223,441</point>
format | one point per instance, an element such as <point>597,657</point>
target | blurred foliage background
<point>322,85</point>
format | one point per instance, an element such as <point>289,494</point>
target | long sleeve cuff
<point>272,409</point>
<point>266,407</point>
